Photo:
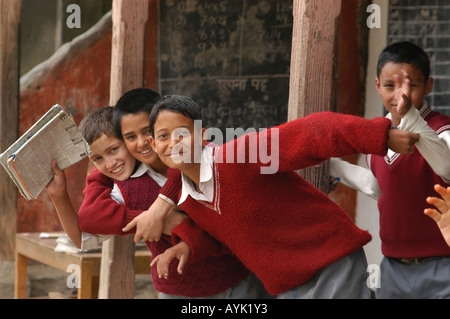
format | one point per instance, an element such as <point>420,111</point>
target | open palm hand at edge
<point>441,214</point>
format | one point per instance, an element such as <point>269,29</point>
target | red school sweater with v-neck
<point>280,226</point>
<point>212,269</point>
<point>206,277</point>
<point>405,182</point>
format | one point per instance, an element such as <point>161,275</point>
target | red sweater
<point>113,217</point>
<point>406,181</point>
<point>280,226</point>
<point>210,272</point>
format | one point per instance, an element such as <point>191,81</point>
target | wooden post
<point>10,16</point>
<point>128,45</point>
<point>314,40</point>
<point>129,17</point>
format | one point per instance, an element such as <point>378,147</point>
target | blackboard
<point>426,23</point>
<point>231,56</point>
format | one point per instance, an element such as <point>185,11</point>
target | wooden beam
<point>312,80</point>
<point>129,17</point>
<point>10,16</point>
<point>128,45</point>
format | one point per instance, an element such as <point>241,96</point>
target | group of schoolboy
<point>219,228</point>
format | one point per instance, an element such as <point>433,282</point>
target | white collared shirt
<point>160,179</point>
<point>206,180</point>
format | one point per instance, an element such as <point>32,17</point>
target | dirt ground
<point>45,281</point>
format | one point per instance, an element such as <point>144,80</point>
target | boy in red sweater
<point>212,273</point>
<point>413,247</point>
<point>297,241</point>
<point>411,243</point>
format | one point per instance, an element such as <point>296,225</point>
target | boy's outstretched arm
<point>102,212</point>
<point>441,215</point>
<point>313,139</point>
<point>356,177</point>
<point>149,225</point>
<point>99,213</point>
<point>402,141</point>
<point>57,191</point>
<point>181,251</point>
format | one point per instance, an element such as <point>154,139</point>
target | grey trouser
<point>427,280</point>
<point>246,289</point>
<point>343,279</point>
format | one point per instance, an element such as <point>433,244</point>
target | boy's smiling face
<point>112,158</point>
<point>386,84</point>
<point>174,139</point>
<point>136,134</point>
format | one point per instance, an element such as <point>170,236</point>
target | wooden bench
<point>31,246</point>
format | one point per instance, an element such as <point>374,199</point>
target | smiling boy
<point>416,254</point>
<point>110,157</point>
<point>298,242</point>
<point>131,123</point>
<point>212,272</point>
<point>413,246</point>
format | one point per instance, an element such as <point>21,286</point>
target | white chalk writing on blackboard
<point>231,56</point>
<point>426,23</point>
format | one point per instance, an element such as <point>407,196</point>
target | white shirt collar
<point>206,180</point>
<point>144,168</point>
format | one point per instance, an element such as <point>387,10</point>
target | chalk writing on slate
<point>231,56</point>
<point>426,23</point>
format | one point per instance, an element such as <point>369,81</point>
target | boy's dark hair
<point>405,52</point>
<point>134,102</point>
<point>96,123</point>
<point>177,104</point>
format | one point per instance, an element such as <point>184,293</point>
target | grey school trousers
<point>343,279</point>
<point>249,288</point>
<point>427,280</point>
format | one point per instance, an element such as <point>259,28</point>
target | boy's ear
<point>153,144</point>
<point>378,84</point>
<point>429,85</point>
<point>204,136</point>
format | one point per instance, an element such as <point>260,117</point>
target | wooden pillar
<point>129,17</point>
<point>10,14</point>
<point>312,84</point>
<point>128,45</point>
